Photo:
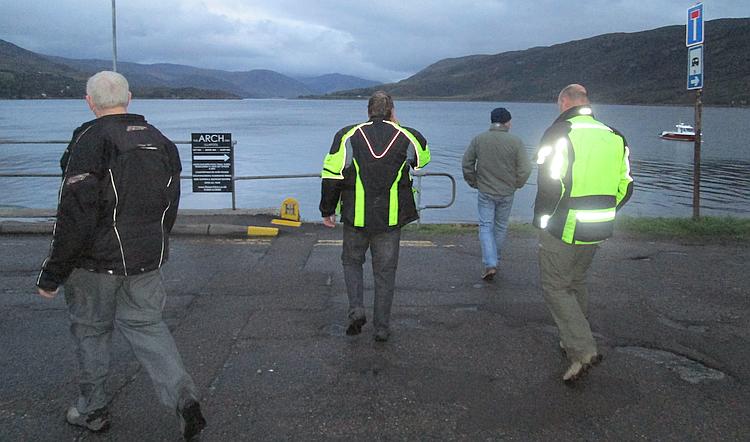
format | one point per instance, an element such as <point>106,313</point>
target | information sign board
<point>213,162</point>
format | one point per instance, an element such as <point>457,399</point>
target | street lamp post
<point>114,38</point>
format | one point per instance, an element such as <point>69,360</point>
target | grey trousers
<point>384,248</point>
<point>98,301</point>
<point>563,270</point>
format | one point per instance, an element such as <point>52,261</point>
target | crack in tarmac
<point>688,369</point>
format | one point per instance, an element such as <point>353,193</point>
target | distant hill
<point>25,74</point>
<point>647,67</point>
<point>328,83</point>
<point>257,83</point>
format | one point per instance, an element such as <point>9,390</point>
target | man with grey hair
<point>367,169</point>
<point>117,203</point>
<point>583,180</point>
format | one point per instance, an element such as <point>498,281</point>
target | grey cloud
<point>385,40</point>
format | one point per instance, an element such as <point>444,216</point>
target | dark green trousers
<point>563,270</point>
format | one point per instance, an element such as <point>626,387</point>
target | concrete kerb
<point>41,222</point>
<point>12,212</point>
<point>18,228</point>
<point>45,228</point>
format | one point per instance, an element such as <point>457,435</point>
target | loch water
<point>276,137</point>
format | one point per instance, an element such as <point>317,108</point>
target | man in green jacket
<point>584,178</point>
<point>496,164</point>
<point>367,169</point>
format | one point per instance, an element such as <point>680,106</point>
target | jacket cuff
<point>47,283</point>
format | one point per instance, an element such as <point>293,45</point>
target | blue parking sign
<point>694,29</point>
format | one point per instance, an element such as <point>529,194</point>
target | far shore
<point>411,99</point>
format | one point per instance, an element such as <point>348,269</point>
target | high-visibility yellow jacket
<point>584,177</point>
<point>367,169</point>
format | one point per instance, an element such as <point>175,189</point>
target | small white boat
<point>682,132</point>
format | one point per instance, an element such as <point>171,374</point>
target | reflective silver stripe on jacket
<point>169,204</point>
<point>59,199</point>
<point>114,222</point>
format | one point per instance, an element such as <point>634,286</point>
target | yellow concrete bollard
<point>262,231</point>
<point>289,214</point>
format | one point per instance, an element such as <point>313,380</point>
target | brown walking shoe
<point>489,274</point>
<point>577,369</point>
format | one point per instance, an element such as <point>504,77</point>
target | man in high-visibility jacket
<point>584,178</point>
<point>367,169</point>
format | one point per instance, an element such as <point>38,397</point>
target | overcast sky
<point>383,40</point>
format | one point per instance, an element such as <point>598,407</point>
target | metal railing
<point>418,175</point>
<point>418,186</point>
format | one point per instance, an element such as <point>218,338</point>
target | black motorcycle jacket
<point>117,201</point>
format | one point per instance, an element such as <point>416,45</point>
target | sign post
<point>213,162</point>
<point>694,42</point>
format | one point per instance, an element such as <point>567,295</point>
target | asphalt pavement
<point>260,324</point>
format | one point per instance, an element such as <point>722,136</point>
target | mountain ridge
<point>645,67</point>
<point>328,83</point>
<point>26,74</point>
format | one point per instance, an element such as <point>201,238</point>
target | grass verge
<point>440,229</point>
<point>707,228</point>
<point>456,229</point>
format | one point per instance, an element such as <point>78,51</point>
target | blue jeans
<point>494,211</point>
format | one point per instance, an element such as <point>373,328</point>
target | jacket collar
<point>574,112</point>
<point>127,117</point>
<point>499,127</point>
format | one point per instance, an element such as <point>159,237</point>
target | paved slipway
<point>260,323</point>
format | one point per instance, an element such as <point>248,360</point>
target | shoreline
<point>408,99</point>
<point>196,221</point>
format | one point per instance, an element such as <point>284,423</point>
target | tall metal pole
<point>697,157</point>
<point>114,38</point>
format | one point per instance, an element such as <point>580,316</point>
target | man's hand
<point>46,294</point>
<point>329,221</point>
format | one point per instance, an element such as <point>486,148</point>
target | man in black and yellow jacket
<point>367,170</point>
<point>584,178</point>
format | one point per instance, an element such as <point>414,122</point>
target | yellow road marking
<point>262,231</point>
<point>405,243</point>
